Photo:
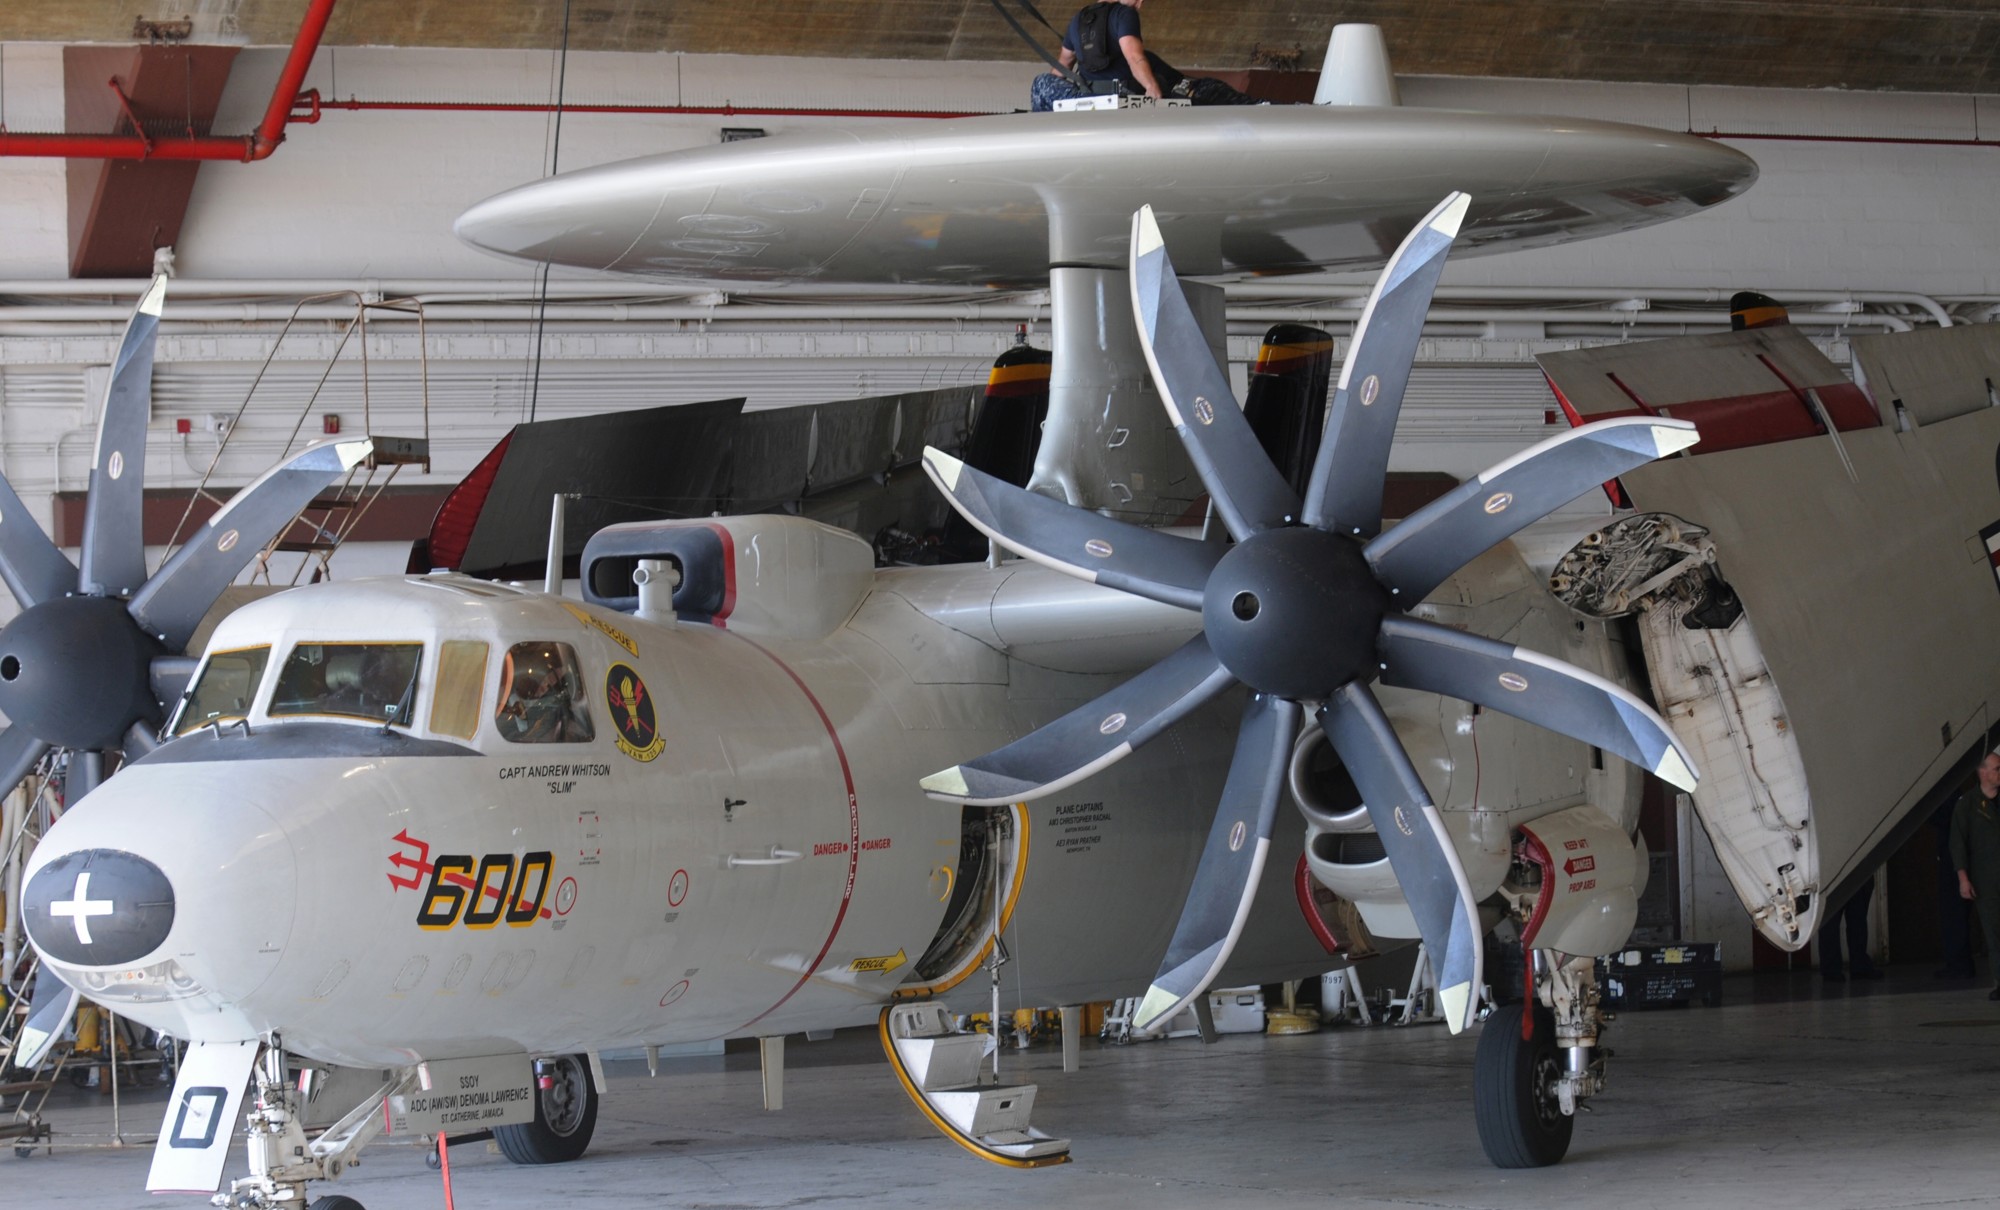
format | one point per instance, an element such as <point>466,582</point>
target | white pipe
<point>441,291</point>
<point>1603,294</point>
<point>904,313</point>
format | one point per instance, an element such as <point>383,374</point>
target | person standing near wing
<point>1975,850</point>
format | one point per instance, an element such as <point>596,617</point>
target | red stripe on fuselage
<point>853,831</point>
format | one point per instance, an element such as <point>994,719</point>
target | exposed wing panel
<point>1876,605</point>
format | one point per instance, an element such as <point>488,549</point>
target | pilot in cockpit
<point>539,708</point>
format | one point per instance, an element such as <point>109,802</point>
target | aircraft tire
<point>1521,1125</point>
<point>565,1117</point>
<point>334,1201</point>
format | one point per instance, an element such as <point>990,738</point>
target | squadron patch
<point>632,714</point>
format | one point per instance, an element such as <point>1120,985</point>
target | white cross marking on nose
<point>80,907</point>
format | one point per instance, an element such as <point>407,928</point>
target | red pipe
<point>317,103</point>
<point>246,148</point>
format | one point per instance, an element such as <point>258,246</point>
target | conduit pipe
<point>913,313</point>
<point>246,148</point>
<point>440,292</point>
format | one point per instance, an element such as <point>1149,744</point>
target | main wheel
<point>334,1201</point>
<point>565,1116</point>
<point>1521,1122</point>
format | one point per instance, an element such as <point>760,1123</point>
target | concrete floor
<point>1789,1094</point>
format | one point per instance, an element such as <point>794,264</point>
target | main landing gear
<point>1537,1062</point>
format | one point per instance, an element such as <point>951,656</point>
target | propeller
<point>1307,609</point>
<point>82,666</point>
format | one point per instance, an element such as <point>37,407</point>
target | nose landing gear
<point>1533,1072</point>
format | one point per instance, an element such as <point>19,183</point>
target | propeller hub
<point>1294,612</point>
<point>76,672</point>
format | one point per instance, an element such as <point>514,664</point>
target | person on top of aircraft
<point>1103,46</point>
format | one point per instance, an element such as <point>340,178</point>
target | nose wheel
<point>1515,1097</point>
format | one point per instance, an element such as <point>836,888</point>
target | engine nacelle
<point>1591,876</point>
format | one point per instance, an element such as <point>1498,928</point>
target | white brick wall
<point>374,194</point>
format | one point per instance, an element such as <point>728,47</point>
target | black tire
<point>1521,1123</point>
<point>565,1117</point>
<point>334,1201</point>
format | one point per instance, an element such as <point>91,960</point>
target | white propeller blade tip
<point>1455,1000</point>
<point>1674,769</point>
<point>1673,438</point>
<point>1154,1010</point>
<point>943,467</point>
<point>154,300</point>
<point>1452,216</point>
<point>1146,235</point>
<point>947,783</point>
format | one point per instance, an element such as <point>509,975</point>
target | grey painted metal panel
<point>1935,373</point>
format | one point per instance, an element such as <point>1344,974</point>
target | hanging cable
<point>555,163</point>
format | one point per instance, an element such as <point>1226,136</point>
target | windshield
<point>227,685</point>
<point>373,681</point>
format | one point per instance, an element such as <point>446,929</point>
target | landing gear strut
<point>282,1159</point>
<point>1533,1071</point>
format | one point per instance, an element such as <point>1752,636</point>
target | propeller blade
<point>85,773</point>
<point>18,753</point>
<point>1345,494</point>
<point>1092,737</point>
<point>1420,849</point>
<point>49,1011</point>
<point>172,603</point>
<point>1425,548</point>
<point>1225,882</point>
<point>35,571</point>
<point>1075,541</point>
<point>1248,492</point>
<point>114,550</point>
<point>1533,687</point>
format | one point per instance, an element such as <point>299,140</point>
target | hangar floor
<point>1787,1095</point>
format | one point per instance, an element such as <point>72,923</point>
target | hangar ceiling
<point>1933,46</point>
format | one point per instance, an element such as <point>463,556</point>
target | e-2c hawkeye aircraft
<point>417,848</point>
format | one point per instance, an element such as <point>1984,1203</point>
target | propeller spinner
<point>1307,608</point>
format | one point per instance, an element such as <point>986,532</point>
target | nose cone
<point>98,907</point>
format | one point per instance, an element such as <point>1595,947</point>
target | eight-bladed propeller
<point>1306,608</point>
<point>89,663</point>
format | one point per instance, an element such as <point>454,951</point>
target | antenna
<point>1356,71</point>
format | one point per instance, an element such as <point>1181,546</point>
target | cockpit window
<point>541,696</point>
<point>461,678</point>
<point>227,686</point>
<point>375,681</point>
